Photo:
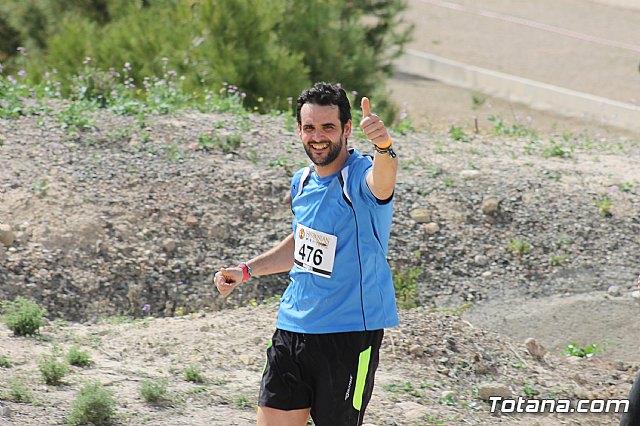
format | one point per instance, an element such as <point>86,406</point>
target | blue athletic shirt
<point>359,295</point>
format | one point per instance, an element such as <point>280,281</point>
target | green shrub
<point>519,247</point>
<point>78,358</point>
<point>406,287</point>
<point>18,391</point>
<point>270,50</point>
<point>457,134</point>
<point>23,317</point>
<point>5,362</point>
<point>604,206</point>
<point>193,374</point>
<point>52,370</point>
<point>154,391</point>
<point>574,349</point>
<point>94,405</point>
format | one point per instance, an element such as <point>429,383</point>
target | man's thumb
<point>366,109</point>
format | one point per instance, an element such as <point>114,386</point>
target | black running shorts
<point>330,373</point>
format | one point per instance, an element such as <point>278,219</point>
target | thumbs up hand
<point>373,126</point>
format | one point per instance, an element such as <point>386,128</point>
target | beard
<point>329,154</point>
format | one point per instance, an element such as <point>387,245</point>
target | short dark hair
<point>326,94</point>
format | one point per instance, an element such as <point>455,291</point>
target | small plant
<point>519,247</point>
<point>604,206</point>
<point>574,349</point>
<point>153,391</point>
<point>405,125</point>
<point>23,317</point>
<point>76,117</point>
<point>78,358</point>
<point>449,399</point>
<point>193,374</point>
<point>448,182</point>
<point>52,370</point>
<point>5,362</point>
<point>172,152</point>
<point>457,134</point>
<point>556,149</point>
<point>406,387</point>
<point>557,259</point>
<point>18,391</point>
<point>41,187</point>
<point>242,402</point>
<point>530,391</point>
<point>406,287</point>
<point>94,405</point>
<point>227,144</point>
<point>624,186</point>
<point>517,130</point>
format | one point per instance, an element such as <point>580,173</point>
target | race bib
<point>315,251</point>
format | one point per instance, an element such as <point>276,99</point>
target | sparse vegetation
<point>78,358</point>
<point>154,391</point>
<point>458,134</point>
<point>588,351</point>
<point>52,369</point>
<point>23,317</point>
<point>500,128</point>
<point>519,247</point>
<point>604,205</point>
<point>193,374</point>
<point>406,287</point>
<point>5,362</point>
<point>242,402</point>
<point>94,404</point>
<point>19,392</point>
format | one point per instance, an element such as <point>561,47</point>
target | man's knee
<point>268,416</point>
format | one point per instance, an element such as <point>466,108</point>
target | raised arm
<point>278,259</point>
<point>382,177</point>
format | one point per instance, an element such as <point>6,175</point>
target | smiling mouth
<point>320,146</point>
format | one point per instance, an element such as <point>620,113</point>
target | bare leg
<point>273,417</point>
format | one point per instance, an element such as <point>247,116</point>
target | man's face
<point>321,132</point>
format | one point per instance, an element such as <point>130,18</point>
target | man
<point>322,358</point>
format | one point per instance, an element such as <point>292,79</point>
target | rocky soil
<point>131,213</point>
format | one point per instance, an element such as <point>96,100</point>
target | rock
<point>420,215</point>
<point>3,253</point>
<point>636,294</point>
<point>490,205</point>
<point>416,350</point>
<point>286,198</point>
<point>7,237</point>
<point>614,291</point>
<point>489,389</point>
<point>413,411</point>
<point>536,349</point>
<point>169,245</point>
<point>5,412</point>
<point>469,174</point>
<point>191,220</point>
<point>431,228</point>
<point>481,260</point>
<point>246,359</point>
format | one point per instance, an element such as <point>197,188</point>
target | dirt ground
<point>552,58</point>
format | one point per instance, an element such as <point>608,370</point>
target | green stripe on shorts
<point>266,361</point>
<point>361,377</point>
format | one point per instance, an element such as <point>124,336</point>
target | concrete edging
<point>532,93</point>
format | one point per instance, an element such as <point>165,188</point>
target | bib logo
<point>301,234</point>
